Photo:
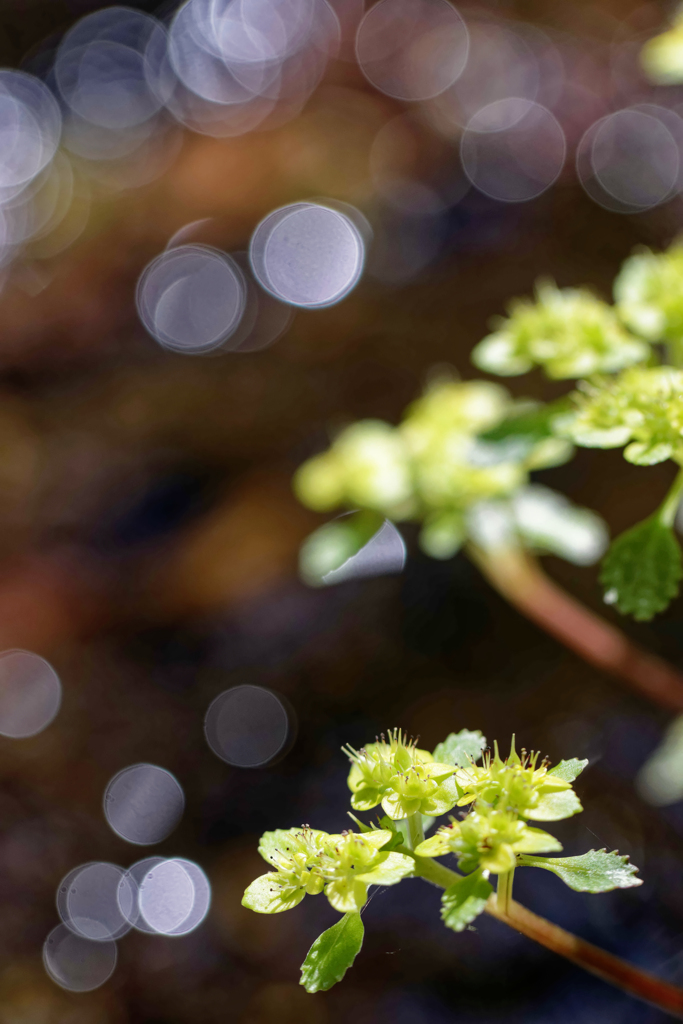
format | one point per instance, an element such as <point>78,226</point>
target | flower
<point>404,779</point>
<point>568,332</point>
<point>516,785</point>
<point>488,839</point>
<point>643,405</point>
<point>649,293</point>
<point>366,467</point>
<point>308,862</point>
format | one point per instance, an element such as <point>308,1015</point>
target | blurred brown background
<point>148,538</point>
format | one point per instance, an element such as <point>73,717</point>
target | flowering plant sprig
<point>489,840</point>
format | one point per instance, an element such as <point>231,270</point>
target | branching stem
<point>521,580</point>
<point>610,968</point>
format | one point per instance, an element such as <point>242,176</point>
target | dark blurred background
<point>149,541</point>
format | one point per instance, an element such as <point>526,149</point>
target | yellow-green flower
<point>648,292</point>
<point>643,406</point>
<point>355,861</point>
<point>568,332</point>
<point>308,862</point>
<point>490,840</point>
<point>404,779</point>
<point>366,467</point>
<point>517,785</point>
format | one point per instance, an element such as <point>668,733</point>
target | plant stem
<point>415,830</point>
<point>521,580</point>
<point>610,968</point>
<point>504,891</point>
<point>669,507</point>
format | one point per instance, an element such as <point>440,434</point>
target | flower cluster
<point>433,467</point>
<point>568,332</point>
<point>505,794</point>
<point>308,862</point>
<point>642,405</point>
<point>404,779</point>
<point>649,293</point>
<point>492,839</point>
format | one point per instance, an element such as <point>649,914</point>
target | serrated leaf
<point>458,748</point>
<point>556,806</point>
<point>266,896</point>
<point>642,569</point>
<point>332,953</point>
<point>595,871</point>
<point>465,900</point>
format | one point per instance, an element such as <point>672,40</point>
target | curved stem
<point>610,968</point>
<point>521,580</point>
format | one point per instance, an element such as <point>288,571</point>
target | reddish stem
<point>608,967</point>
<point>520,579</point>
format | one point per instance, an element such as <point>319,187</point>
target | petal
<point>437,845</point>
<point>555,806</point>
<point>284,840</point>
<point>535,840</point>
<point>266,895</point>
<point>392,868</point>
<point>365,799</point>
<point>378,837</point>
<point>347,896</point>
<point>396,807</point>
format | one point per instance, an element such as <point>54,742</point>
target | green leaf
<point>265,895</point>
<point>464,900</point>
<point>332,953</point>
<point>568,770</point>
<point>642,569</point>
<point>595,871</point>
<point>459,747</point>
<point>521,432</point>
<point>331,545</point>
<point>555,806</point>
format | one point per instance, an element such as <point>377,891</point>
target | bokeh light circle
<point>75,963</point>
<point>513,150</point>
<point>191,298</point>
<point>249,726</point>
<point>412,49</point>
<point>634,158</point>
<point>307,255</point>
<point>166,897</point>
<point>143,804</point>
<point>90,900</point>
<point>30,694</point>
<point>174,897</point>
<point>30,128</point>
